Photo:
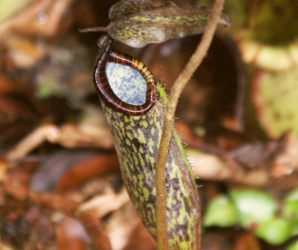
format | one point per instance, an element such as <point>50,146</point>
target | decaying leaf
<point>70,234</point>
<point>255,163</point>
<point>247,242</point>
<point>275,97</point>
<point>68,135</point>
<point>42,18</point>
<point>9,8</point>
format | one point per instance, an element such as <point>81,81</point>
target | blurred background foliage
<point>238,117</point>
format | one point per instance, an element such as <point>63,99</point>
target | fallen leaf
<point>246,241</point>
<point>90,167</point>
<point>71,234</point>
<point>95,230</point>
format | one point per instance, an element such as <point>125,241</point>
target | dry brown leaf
<point>16,184</point>
<point>246,242</point>
<point>121,225</point>
<point>140,239</point>
<point>55,201</point>
<point>68,135</point>
<point>101,205</point>
<point>95,230</point>
<point>90,167</point>
<point>41,17</point>
<point>70,234</point>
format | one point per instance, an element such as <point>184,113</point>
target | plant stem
<point>94,29</point>
<point>183,78</point>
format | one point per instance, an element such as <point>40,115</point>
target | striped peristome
<point>136,130</point>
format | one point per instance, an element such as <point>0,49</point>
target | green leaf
<point>290,209</point>
<point>253,206</point>
<point>275,231</point>
<point>293,246</point>
<point>293,195</point>
<point>220,212</point>
<point>291,205</point>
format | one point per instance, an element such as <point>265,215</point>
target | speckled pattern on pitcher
<point>137,137</point>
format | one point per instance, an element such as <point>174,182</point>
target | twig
<point>94,29</point>
<point>185,75</point>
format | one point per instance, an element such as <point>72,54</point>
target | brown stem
<point>94,29</point>
<point>185,75</point>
